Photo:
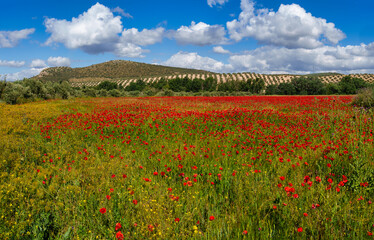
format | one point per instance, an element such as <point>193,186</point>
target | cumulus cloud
<point>269,59</point>
<point>58,62</point>
<point>98,31</point>
<point>93,31</point>
<point>38,63</point>
<point>195,61</point>
<point>216,2</point>
<point>220,50</point>
<point>27,73</point>
<point>9,39</point>
<point>201,34</point>
<point>5,63</point>
<point>291,27</point>
<point>121,12</point>
<point>143,38</point>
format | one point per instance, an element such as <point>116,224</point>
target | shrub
<point>349,85</point>
<point>364,98</point>
<point>114,93</point>
<point>14,92</point>
<point>107,85</point>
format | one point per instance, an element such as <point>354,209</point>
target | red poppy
<point>108,197</point>
<point>300,229</point>
<point>135,202</point>
<point>118,226</point>
<point>103,210</point>
<point>177,220</point>
<point>211,218</point>
<point>119,235</point>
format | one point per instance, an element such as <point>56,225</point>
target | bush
<point>168,93</point>
<point>364,98</point>
<point>349,85</point>
<point>114,93</point>
<point>14,93</point>
<point>103,93</point>
<point>107,85</point>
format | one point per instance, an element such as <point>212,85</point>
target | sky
<point>263,36</point>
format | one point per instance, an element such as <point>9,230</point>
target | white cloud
<point>216,2</point>
<point>5,63</point>
<point>38,63</point>
<point>27,73</point>
<point>98,31</point>
<point>58,62</point>
<point>220,50</point>
<point>291,26</point>
<point>9,39</point>
<point>143,38</point>
<point>200,34</point>
<point>122,12</point>
<point>93,31</point>
<point>124,49</point>
<point>270,59</point>
<point>195,61</point>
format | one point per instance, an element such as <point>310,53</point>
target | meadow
<point>258,167</point>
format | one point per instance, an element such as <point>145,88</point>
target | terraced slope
<point>269,79</point>
<point>125,72</point>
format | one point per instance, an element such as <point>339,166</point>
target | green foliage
<point>139,85</point>
<point>332,89</point>
<point>160,84</point>
<point>271,89</point>
<point>114,93</point>
<point>13,93</point>
<point>349,85</point>
<point>2,87</point>
<point>308,86</point>
<point>209,84</point>
<point>364,98</point>
<point>107,85</point>
<point>286,89</point>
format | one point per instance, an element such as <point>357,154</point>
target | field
<point>187,168</point>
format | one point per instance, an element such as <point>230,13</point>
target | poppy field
<point>259,167</point>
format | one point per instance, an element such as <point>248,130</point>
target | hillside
<point>223,77</point>
<point>117,69</point>
<point>125,72</point>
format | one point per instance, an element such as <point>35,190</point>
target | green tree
<point>286,89</point>
<point>271,89</point>
<point>209,84</point>
<point>332,88</point>
<point>14,93</point>
<point>139,85</point>
<point>349,85</point>
<point>308,86</point>
<point>196,85</point>
<point>107,85</point>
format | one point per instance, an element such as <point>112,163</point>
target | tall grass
<point>187,168</point>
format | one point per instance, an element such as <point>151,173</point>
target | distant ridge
<point>124,72</point>
<point>115,69</point>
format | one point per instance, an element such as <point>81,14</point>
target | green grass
<point>61,160</point>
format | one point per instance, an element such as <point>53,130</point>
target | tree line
<point>314,86</point>
<point>33,89</point>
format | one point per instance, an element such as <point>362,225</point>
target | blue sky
<point>269,36</point>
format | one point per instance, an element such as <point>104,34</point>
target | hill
<point>117,69</point>
<point>124,72</point>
